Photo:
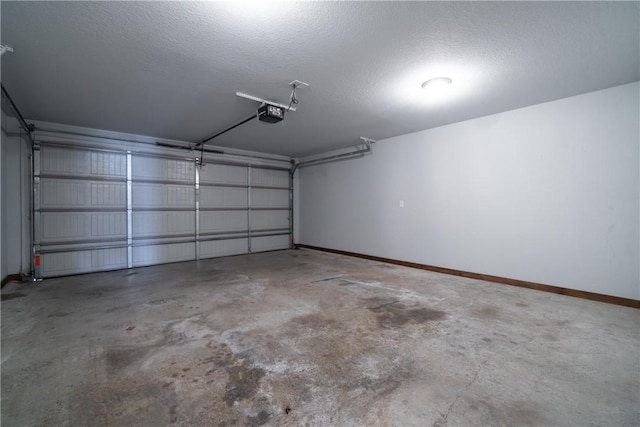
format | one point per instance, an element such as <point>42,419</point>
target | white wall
<point>547,194</point>
<point>14,199</point>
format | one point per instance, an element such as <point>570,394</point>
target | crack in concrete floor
<point>445,417</point>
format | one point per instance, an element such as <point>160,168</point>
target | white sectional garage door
<point>163,212</point>
<point>104,210</point>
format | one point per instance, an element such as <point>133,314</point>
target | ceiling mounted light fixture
<point>437,86</point>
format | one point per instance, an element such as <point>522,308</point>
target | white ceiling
<point>171,69</point>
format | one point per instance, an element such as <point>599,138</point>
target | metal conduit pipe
<point>49,142</point>
<point>184,147</point>
<point>28,128</point>
<point>158,144</point>
<point>357,152</point>
<point>291,217</point>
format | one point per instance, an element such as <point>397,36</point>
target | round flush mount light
<point>437,85</point>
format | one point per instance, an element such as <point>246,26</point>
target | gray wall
<point>15,191</point>
<point>547,193</point>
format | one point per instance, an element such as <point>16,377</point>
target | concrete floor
<point>307,338</point>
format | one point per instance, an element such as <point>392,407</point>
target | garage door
<point>101,210</point>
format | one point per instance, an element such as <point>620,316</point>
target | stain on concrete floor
<point>393,314</point>
<point>304,338</point>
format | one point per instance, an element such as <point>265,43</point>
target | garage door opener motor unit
<point>270,113</point>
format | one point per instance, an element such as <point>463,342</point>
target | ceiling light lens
<point>437,86</point>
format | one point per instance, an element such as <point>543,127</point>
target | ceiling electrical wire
<point>292,98</point>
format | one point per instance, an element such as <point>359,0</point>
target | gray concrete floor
<point>307,338</point>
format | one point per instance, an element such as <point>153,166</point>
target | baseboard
<point>609,299</point>
<point>11,277</point>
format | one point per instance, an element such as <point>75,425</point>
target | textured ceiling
<point>171,70</point>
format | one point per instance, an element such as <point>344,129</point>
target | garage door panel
<point>269,198</point>
<point>217,248</point>
<point>150,224</point>
<point>158,169</point>
<point>223,174</point>
<point>269,178</point>
<point>67,193</point>
<point>85,261</point>
<point>81,220</point>
<point>269,243</point>
<point>162,196</point>
<point>269,220</point>
<point>162,253</point>
<point>223,197</point>
<point>221,221</point>
<point>82,163</point>
<point>68,227</point>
